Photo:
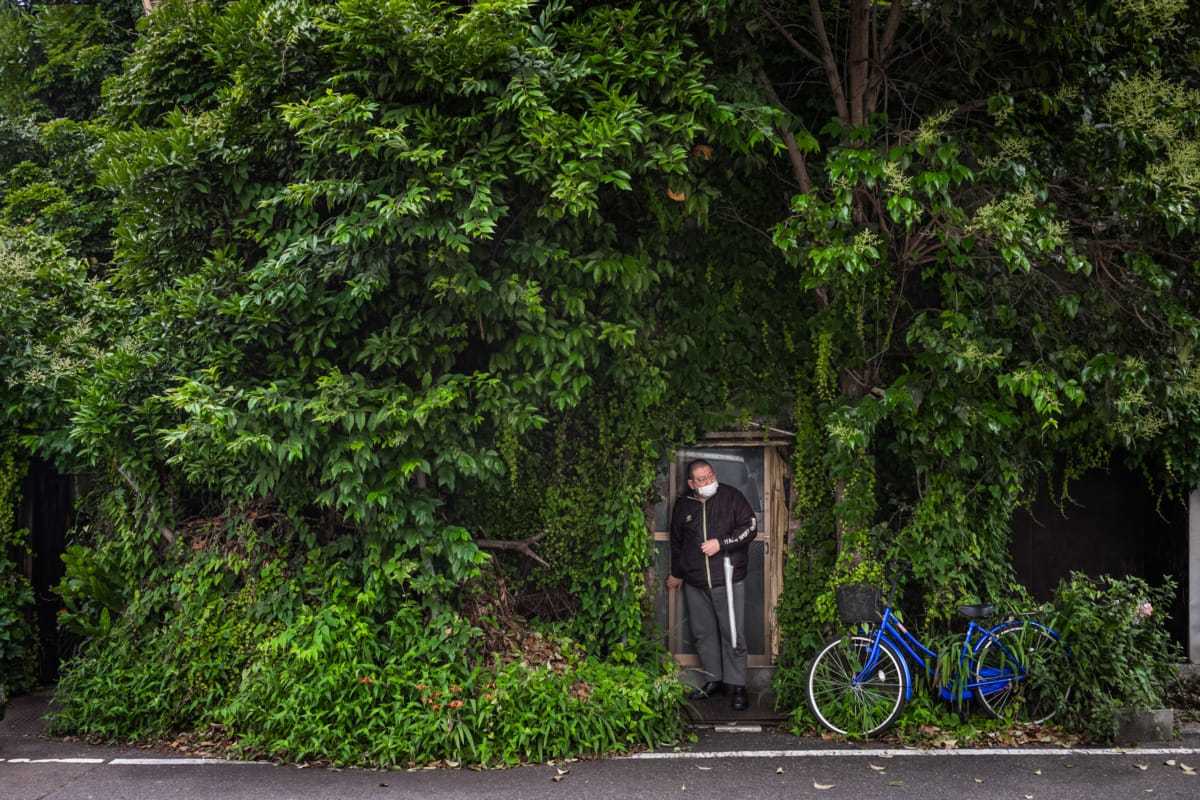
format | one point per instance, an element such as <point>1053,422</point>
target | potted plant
<point>1121,658</point>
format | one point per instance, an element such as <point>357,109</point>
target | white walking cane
<point>729,602</point>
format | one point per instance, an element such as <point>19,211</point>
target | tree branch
<point>858,71</point>
<point>163,530</point>
<point>883,53</point>
<point>799,48</point>
<point>827,61</point>
<point>524,546</point>
<point>799,165</point>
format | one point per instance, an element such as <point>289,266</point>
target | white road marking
<point>1136,752</point>
<point>1000,751</point>
<point>51,760</point>
<point>131,762</point>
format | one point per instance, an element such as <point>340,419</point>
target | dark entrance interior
<point>1112,524</point>
<point>46,512</point>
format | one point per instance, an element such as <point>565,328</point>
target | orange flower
<point>436,707</point>
<point>456,703</point>
<point>366,679</point>
<point>420,687</point>
<point>456,688</point>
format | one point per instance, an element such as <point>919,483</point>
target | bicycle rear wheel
<point>851,696</point>
<point>1009,671</point>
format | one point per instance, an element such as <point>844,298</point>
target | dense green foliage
<point>1003,264</point>
<point>401,277</point>
<point>1121,654</point>
<point>54,60</point>
<point>343,283</point>
<point>288,652</point>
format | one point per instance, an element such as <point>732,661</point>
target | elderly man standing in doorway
<point>711,530</point>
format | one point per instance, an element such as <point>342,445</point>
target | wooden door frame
<point>776,524</point>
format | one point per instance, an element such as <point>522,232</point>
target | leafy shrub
<point>1121,654</point>
<point>337,686</point>
<point>297,660</point>
<point>16,596</point>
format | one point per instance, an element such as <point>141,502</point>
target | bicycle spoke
<point>851,696</point>
<point>1007,672</point>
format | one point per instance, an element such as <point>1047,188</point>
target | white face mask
<point>708,490</point>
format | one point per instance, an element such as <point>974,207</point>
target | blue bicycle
<point>859,681</point>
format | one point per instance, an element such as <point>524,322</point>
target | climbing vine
<point>16,596</point>
<point>584,483</point>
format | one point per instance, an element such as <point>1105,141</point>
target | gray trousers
<point>708,617</point>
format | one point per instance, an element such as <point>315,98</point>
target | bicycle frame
<point>906,644</point>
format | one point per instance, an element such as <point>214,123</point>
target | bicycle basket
<point>858,602</point>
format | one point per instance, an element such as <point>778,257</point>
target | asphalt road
<point>722,764</point>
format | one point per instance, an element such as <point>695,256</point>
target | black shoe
<point>710,689</point>
<point>740,701</point>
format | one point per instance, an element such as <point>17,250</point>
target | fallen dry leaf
<point>1037,772</point>
<point>821,785</point>
<point>1142,767</point>
<point>876,767</point>
<point>779,770</point>
<point>895,783</point>
<point>557,778</point>
<point>706,769</point>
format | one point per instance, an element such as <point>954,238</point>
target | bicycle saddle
<point>976,612</point>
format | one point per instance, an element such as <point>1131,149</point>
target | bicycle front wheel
<point>1009,672</point>
<point>853,692</point>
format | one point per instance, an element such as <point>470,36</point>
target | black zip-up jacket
<point>726,517</point>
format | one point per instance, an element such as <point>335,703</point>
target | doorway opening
<point>759,469</point>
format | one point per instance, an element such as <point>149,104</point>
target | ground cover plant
<point>294,660</point>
